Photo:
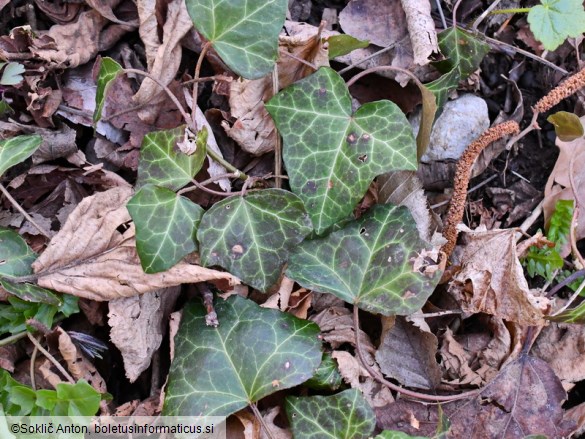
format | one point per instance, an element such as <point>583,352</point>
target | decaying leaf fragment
<point>254,129</point>
<point>492,280</point>
<point>91,258</point>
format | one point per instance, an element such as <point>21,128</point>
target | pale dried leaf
<point>174,323</point>
<point>408,355</point>
<point>254,129</point>
<point>279,300</point>
<point>90,258</point>
<point>148,29</point>
<point>79,366</point>
<point>137,327</point>
<point>421,28</point>
<point>275,430</point>
<point>492,279</point>
<point>337,328</point>
<point>104,7</point>
<point>455,362</point>
<point>167,60</point>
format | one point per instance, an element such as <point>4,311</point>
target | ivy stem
<point>278,145</point>
<point>378,376</point>
<point>565,282</point>
<point>33,359</point>
<point>571,299</point>
<point>44,232</point>
<point>261,419</point>
<point>50,358</point>
<point>511,11</point>
<point>188,120</point>
<point>204,50</point>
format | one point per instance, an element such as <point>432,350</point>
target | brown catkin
<point>557,94</point>
<point>462,176</point>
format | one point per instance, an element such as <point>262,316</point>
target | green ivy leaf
<point>251,236</point>
<point>253,353</point>
<point>16,256</point>
<point>166,227</point>
<point>162,164</point>
<point>553,21</point>
<point>31,293</point>
<point>109,69</point>
<point>332,155</point>
<point>243,32</point>
<point>369,263</point>
<point>343,44</point>
<point>327,376</point>
<point>79,399</point>
<point>568,126</point>
<point>17,149</point>
<point>463,53</point>
<point>345,415</point>
<point>12,73</point>
<point>573,315</point>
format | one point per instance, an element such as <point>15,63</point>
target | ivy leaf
<point>391,434</point>
<point>327,376</point>
<point>369,262</point>
<point>463,53</point>
<point>166,226</point>
<point>12,73</point>
<point>162,164</point>
<point>573,315</point>
<point>243,32</point>
<point>553,21</point>
<point>17,149</point>
<point>343,44</point>
<point>332,155</point>
<point>345,415</point>
<point>109,69</point>
<point>253,353</point>
<point>31,293</point>
<point>16,256</point>
<point>251,236</point>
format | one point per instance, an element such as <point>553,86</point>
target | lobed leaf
<point>253,353</point>
<point>345,415</point>
<point>332,155</point>
<point>17,149</point>
<point>31,292</point>
<point>251,236</point>
<point>166,227</point>
<point>369,262</point>
<point>327,376</point>
<point>162,164</point>
<point>463,53</point>
<point>11,73</point>
<point>109,69</point>
<point>553,21</point>
<point>243,32</point>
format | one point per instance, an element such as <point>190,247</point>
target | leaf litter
<point>483,326</point>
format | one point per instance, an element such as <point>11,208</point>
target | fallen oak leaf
<point>90,258</point>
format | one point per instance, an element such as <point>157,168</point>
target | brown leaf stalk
<point>462,176</point>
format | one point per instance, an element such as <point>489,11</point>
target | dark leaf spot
<point>362,230</point>
<point>363,158</point>
<point>311,186</point>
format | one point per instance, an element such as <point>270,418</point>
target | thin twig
<point>437,314</point>
<point>209,181</point>
<point>575,217</point>
<point>565,282</point>
<point>204,50</point>
<point>440,9</point>
<point>378,376</point>
<point>571,299</point>
<point>485,13</point>
<point>33,359</point>
<point>13,338</point>
<point>123,112</point>
<point>261,419</point>
<point>473,189</point>
<point>373,55</point>
<point>44,232</point>
<point>455,13</point>
<point>209,78</point>
<point>207,297</point>
<point>381,69</point>
<point>302,61</point>
<point>51,358</point>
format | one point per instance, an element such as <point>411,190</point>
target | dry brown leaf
<point>455,362</point>
<point>407,354</point>
<point>562,346</point>
<point>558,186</point>
<point>279,300</point>
<point>90,258</point>
<point>421,29</point>
<point>410,417</point>
<point>275,431</point>
<point>254,129</point>
<point>104,7</point>
<point>51,377</point>
<point>382,22</point>
<point>525,398</point>
<point>492,280</point>
<point>79,366</point>
<point>174,323</point>
<point>137,327</point>
<point>72,44</point>
<point>8,356</point>
<point>336,325</point>
<point>576,415</point>
<point>148,29</point>
<point>167,60</point>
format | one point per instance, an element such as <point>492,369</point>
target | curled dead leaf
<point>90,257</point>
